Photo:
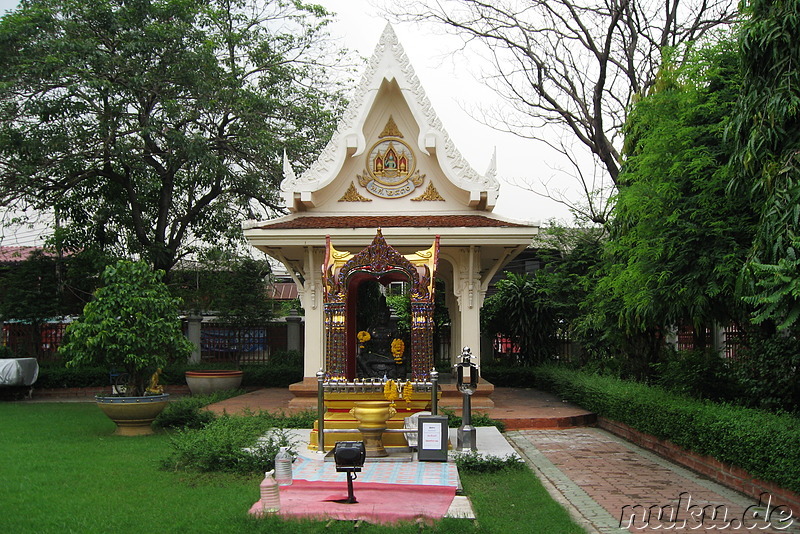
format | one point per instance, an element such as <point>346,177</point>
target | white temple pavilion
<point>390,172</point>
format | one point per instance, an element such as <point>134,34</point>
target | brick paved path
<point>610,485</point>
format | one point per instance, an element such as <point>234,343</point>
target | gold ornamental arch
<point>379,260</point>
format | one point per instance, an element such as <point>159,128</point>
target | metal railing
<point>367,385</point>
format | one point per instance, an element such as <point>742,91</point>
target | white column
<point>293,321</point>
<point>455,325</point>
<point>311,298</point>
<point>467,289</point>
<point>193,333</point>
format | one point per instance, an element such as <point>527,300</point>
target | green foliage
<point>768,373</point>
<point>244,444</point>
<point>699,373</point>
<point>189,412</point>
<point>775,288</point>
<point>573,259</point>
<point>678,241</point>
<point>149,127</point>
<point>31,290</point>
<point>474,462</point>
<point>764,444</point>
<point>272,375</point>
<point>508,376</point>
<point>522,310</point>
<point>766,132</point>
<point>401,304</point>
<point>235,287</point>
<point>56,375</point>
<point>132,324</point>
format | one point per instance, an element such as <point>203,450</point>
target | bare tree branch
<point>572,63</point>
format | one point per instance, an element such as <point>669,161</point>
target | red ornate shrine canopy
<point>342,271</point>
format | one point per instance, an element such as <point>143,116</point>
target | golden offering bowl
<point>372,414</point>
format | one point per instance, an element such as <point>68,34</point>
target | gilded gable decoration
<point>391,166</point>
<point>390,130</point>
<point>430,194</point>
<point>351,195</point>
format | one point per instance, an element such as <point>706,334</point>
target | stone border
<point>728,475</point>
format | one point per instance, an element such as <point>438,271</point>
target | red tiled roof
<point>284,291</point>
<point>390,221</point>
<point>20,254</point>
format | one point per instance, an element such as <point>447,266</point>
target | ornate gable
<point>391,164</point>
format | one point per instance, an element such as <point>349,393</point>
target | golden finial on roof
<point>390,130</point>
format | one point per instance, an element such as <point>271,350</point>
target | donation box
<point>433,438</point>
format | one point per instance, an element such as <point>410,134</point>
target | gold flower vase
<point>372,417</point>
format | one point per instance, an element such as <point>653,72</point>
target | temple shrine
<point>390,200</point>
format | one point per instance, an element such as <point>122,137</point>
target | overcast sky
<point>452,89</point>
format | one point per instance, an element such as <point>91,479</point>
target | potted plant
<point>131,325</point>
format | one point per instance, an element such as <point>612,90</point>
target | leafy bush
<point>58,376</point>
<point>768,373</point>
<point>189,412</point>
<point>766,445</point>
<point>702,374</point>
<point>474,462</point>
<point>237,444</point>
<point>271,375</point>
<point>509,376</point>
<point>131,324</point>
<point>287,358</point>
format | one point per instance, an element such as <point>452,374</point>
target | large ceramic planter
<point>205,382</point>
<point>133,415</point>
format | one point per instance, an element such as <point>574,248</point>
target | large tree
<point>150,126</point>
<point>569,69</point>
<point>678,241</point>
<point>766,133</point>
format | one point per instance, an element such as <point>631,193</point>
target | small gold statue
<point>155,388</point>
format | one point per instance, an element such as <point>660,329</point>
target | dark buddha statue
<point>375,360</point>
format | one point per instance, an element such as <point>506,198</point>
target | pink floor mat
<point>377,502</point>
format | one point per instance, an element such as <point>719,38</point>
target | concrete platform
<point>518,408</point>
<point>313,466</point>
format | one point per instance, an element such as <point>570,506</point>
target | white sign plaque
<point>431,436</point>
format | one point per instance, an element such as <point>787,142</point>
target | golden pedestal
<point>338,416</point>
<point>372,416</point>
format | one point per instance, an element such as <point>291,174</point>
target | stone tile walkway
<point>610,485</point>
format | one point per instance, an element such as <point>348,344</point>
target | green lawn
<point>61,470</point>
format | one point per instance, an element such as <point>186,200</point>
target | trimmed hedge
<point>509,376</point>
<point>765,444</point>
<point>57,376</point>
<point>264,375</point>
